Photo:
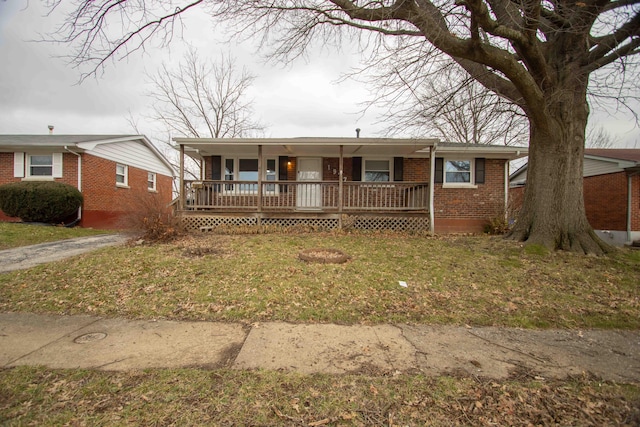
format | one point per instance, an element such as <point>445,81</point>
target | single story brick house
<point>115,173</point>
<point>360,183</point>
<point>611,192</point>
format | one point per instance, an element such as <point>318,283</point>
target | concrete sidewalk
<point>30,256</point>
<point>120,344</point>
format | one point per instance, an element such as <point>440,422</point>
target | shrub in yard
<point>496,225</point>
<point>150,218</point>
<point>47,201</point>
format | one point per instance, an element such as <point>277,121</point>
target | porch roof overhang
<point>296,147</point>
<point>452,149</point>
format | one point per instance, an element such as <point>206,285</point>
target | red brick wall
<point>105,205</point>
<point>416,170</point>
<point>469,209</point>
<point>605,200</point>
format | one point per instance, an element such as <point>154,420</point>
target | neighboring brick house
<point>369,183</point>
<point>611,189</point>
<point>117,174</point>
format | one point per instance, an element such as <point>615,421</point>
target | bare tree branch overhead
<point>545,56</point>
<point>204,100</point>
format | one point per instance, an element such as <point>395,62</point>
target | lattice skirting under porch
<point>418,223</point>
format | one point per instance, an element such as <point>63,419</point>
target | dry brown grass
<point>453,280</point>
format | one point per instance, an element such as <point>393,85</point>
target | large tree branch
<point>607,45</point>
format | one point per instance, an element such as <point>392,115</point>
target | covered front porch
<point>322,182</point>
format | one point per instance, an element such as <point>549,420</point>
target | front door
<point>309,196</point>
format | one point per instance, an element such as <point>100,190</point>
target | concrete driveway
<point>30,256</point>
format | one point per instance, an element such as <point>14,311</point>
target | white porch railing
<point>322,196</point>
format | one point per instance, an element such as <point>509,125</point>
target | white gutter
<point>432,176</point>
<point>629,197</point>
<point>79,176</point>
<point>506,190</point>
<point>629,207</point>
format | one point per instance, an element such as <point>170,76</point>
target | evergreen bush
<point>39,201</point>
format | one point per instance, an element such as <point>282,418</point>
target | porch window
<point>458,171</point>
<point>151,181</point>
<point>377,170</point>
<point>41,165</point>
<point>271,175</point>
<point>239,169</point>
<point>122,175</point>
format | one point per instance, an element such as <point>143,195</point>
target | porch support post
<point>432,178</point>
<point>260,172</point>
<point>506,190</point>
<point>340,185</point>
<point>181,177</point>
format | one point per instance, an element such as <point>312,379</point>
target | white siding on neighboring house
<point>132,153</point>
<point>593,167</point>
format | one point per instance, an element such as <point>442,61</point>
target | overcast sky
<point>38,89</point>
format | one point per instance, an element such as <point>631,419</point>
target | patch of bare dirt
<point>324,256</point>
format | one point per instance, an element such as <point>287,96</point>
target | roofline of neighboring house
<point>90,142</point>
<point>624,164</point>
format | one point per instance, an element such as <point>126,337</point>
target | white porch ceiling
<point>308,147</point>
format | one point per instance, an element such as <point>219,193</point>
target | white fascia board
<point>622,164</point>
<point>91,145</point>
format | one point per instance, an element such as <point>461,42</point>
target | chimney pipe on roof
<point>358,133</point>
<point>50,129</point>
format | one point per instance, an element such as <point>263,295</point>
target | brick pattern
<point>605,201</point>
<point>104,204</point>
<point>484,202</point>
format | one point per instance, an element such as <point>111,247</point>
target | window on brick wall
<point>37,166</point>
<point>459,172</point>
<point>41,165</point>
<point>377,170</point>
<point>151,181</point>
<point>122,175</point>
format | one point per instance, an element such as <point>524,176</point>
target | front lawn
<point>474,280</point>
<point>189,397</point>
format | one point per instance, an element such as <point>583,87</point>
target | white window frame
<point>30,174</point>
<point>22,166</point>
<point>152,178</point>
<point>231,189</point>
<point>125,175</point>
<point>472,169</point>
<point>364,169</point>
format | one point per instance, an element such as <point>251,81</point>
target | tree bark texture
<point>553,212</point>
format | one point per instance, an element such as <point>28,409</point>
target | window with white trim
<point>377,170</point>
<point>458,171</point>
<point>151,181</point>
<point>40,165</point>
<point>122,175</point>
<point>246,169</point>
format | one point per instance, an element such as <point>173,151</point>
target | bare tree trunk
<point>553,213</point>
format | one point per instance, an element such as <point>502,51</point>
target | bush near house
<point>48,201</point>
